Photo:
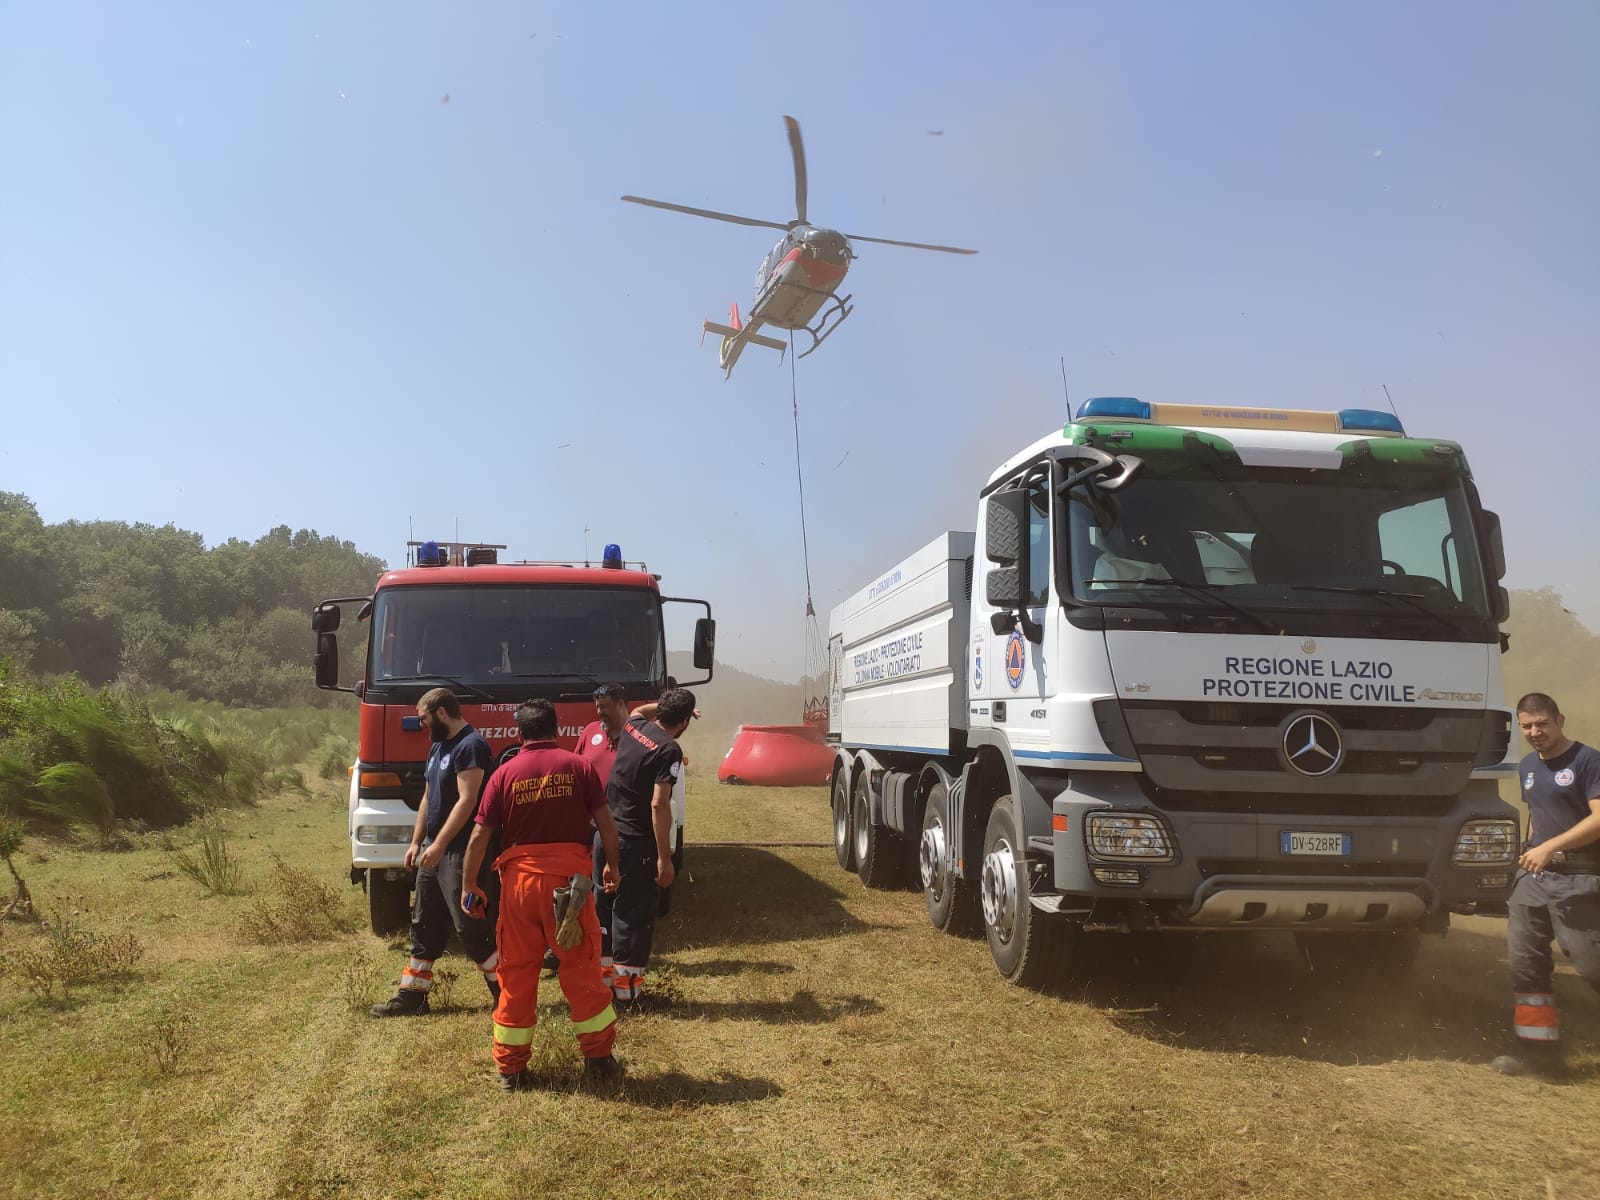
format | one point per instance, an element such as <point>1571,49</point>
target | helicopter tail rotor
<point>798,150</point>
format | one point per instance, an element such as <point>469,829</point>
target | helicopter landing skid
<point>831,318</point>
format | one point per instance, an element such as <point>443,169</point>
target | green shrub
<point>170,1040</point>
<point>211,864</point>
<point>71,956</point>
<point>73,790</point>
<point>302,908</point>
<point>334,756</point>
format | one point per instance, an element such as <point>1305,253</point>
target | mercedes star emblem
<point>1311,744</point>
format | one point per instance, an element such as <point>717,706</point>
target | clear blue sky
<point>256,269</point>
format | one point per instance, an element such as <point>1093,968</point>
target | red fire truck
<point>495,634</point>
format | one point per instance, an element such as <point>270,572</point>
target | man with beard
<point>457,765</point>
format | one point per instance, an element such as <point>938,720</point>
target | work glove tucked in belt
<point>569,902</point>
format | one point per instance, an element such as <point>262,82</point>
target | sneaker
<point>607,1070</point>
<point>519,1082</point>
<point>1527,1060</point>
<point>407,1002</point>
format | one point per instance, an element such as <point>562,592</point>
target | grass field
<point>826,1041</point>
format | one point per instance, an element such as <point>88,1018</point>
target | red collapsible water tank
<point>778,756</point>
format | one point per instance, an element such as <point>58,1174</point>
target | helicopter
<point>798,279</point>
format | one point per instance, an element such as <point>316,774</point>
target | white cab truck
<point>1199,668</point>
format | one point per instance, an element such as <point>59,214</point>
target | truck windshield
<point>1372,539</point>
<point>487,635</point>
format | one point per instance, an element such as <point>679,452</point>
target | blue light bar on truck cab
<point>1124,408</point>
<point>1348,420</point>
<point>1370,420</point>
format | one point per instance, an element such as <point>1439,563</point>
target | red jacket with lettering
<point>543,795</point>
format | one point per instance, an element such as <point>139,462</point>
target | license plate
<point>1330,845</point>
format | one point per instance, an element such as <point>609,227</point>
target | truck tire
<point>388,902</point>
<point>952,905</point>
<point>1372,957</point>
<point>878,851</point>
<point>844,842</point>
<point>1029,948</point>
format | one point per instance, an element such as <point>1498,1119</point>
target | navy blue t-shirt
<point>464,752</point>
<point>1558,790</point>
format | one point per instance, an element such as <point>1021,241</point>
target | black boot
<point>407,1002</point>
<point>520,1082</point>
<point>603,1071</point>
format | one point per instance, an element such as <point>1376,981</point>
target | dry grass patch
<point>823,1041</point>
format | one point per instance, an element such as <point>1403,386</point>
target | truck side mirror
<point>1502,607</point>
<point>1003,587</point>
<point>1005,520</point>
<point>324,618</point>
<point>1494,546</point>
<point>705,643</point>
<point>326,660</point>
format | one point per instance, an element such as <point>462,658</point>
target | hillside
<point>1552,652</point>
<point>735,697</point>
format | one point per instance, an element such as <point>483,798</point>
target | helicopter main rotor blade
<point>798,150</point>
<point>856,237</point>
<point>705,212</point>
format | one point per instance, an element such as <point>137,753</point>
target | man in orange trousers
<point>543,801</point>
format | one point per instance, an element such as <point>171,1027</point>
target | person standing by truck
<point>597,744</point>
<point>543,800</point>
<point>457,765</point>
<point>639,795</point>
<point>1557,891</point>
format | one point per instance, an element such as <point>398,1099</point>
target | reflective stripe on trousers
<point>527,928</point>
<point>1536,1018</point>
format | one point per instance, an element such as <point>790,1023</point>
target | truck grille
<point>1197,747</point>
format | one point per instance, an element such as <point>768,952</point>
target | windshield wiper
<point>583,675</point>
<point>1386,593</point>
<point>455,685</point>
<point>1210,591</point>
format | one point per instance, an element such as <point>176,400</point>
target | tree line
<point>152,607</point>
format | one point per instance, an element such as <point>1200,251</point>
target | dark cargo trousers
<point>1550,905</point>
<point>628,915</point>
<point>436,911</point>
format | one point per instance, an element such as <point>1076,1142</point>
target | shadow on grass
<point>718,968</point>
<point>668,1089</point>
<point>1257,995</point>
<point>804,1008</point>
<point>674,1089</point>
<point>742,895</point>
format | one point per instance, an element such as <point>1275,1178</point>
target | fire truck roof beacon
<point>428,555</point>
<point>612,559</point>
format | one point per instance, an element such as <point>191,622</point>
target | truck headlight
<point>1485,843</point>
<point>383,835</point>
<point>1128,835</point>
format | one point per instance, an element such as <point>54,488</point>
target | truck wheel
<point>877,847</point>
<point>1376,957</point>
<point>388,902</point>
<point>844,845</point>
<point>1028,948</point>
<point>950,902</point>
